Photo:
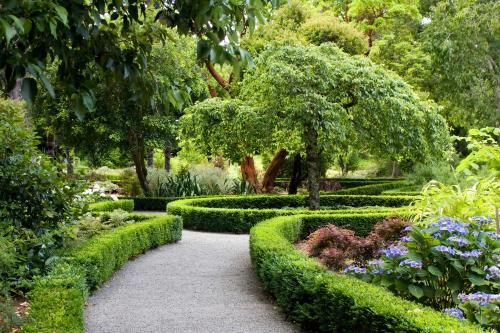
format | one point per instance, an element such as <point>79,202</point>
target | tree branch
<point>220,80</point>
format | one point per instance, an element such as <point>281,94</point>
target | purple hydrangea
<point>492,234</point>
<point>354,269</point>
<point>493,272</point>
<point>454,312</point>
<point>446,249</point>
<point>405,239</point>
<point>471,254</point>
<point>375,262</point>
<point>394,251</point>
<point>460,241</point>
<point>377,271</point>
<point>408,228</point>
<point>448,224</point>
<point>482,298</point>
<point>481,219</point>
<point>411,263</point>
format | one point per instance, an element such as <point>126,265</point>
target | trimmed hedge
<point>324,301</point>
<point>58,298</point>
<point>346,183</point>
<point>373,189</point>
<point>110,205</point>
<point>238,214</point>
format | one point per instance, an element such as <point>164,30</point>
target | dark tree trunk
<point>248,171</point>
<point>51,145</point>
<point>313,167</point>
<point>296,175</point>
<point>15,93</point>
<point>272,170</point>
<point>167,153</point>
<point>138,155</point>
<point>343,166</point>
<point>150,154</point>
<point>69,162</point>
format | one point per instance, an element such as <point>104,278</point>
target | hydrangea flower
<point>493,272</point>
<point>454,312</point>
<point>448,224</point>
<point>408,228</point>
<point>411,263</point>
<point>355,269</point>
<point>375,262</point>
<point>460,241</point>
<point>471,254</point>
<point>394,251</point>
<point>377,270</point>
<point>481,219</point>
<point>446,249</point>
<point>405,239</point>
<point>482,298</point>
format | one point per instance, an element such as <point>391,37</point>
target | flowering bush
<point>446,264</point>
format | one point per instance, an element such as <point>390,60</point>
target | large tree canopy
<point>324,97</point>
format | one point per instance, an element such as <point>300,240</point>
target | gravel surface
<point>204,283</point>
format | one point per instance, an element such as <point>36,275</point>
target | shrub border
<point>111,205</point>
<point>58,298</point>
<point>325,301</point>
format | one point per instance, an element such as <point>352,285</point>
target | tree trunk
<point>69,162</point>
<point>272,170</point>
<point>296,175</point>
<point>150,154</point>
<point>168,155</point>
<point>138,156</point>
<point>313,167</point>
<point>51,145</point>
<point>15,93</point>
<point>343,166</point>
<point>396,171</point>
<point>248,171</point>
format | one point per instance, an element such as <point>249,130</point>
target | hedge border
<point>240,213</point>
<point>111,205</point>
<point>58,298</point>
<point>372,189</point>
<point>324,301</point>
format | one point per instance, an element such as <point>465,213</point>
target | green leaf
<point>476,280</point>
<point>9,31</point>
<point>434,271</point>
<point>62,13</point>
<point>416,291</point>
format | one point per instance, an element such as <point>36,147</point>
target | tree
<point>320,97</point>
<point>463,41</point>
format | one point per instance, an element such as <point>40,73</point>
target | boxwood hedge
<point>324,301</point>
<point>110,205</point>
<point>239,213</point>
<point>58,298</point>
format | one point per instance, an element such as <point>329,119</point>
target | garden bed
<point>324,301</point>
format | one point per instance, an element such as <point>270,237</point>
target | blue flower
<point>460,241</point>
<point>408,228</point>
<point>375,262</point>
<point>411,263</point>
<point>355,269</point>
<point>405,239</point>
<point>493,273</point>
<point>394,251</point>
<point>446,249</point>
<point>454,312</point>
<point>448,224</point>
<point>471,254</point>
<point>481,219</point>
<point>482,298</point>
<point>376,271</point>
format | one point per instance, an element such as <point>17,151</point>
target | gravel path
<point>205,283</point>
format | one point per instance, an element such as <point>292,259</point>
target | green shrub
<point>111,205</point>
<point>322,301</point>
<point>58,298</point>
<point>372,189</point>
<point>239,213</point>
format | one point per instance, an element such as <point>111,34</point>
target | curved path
<point>204,283</point>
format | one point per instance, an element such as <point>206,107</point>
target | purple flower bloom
<point>448,224</point>
<point>454,312</point>
<point>376,271</point>
<point>460,241</point>
<point>405,239</point>
<point>446,249</point>
<point>481,219</point>
<point>492,234</point>
<point>375,262</point>
<point>482,298</point>
<point>394,251</point>
<point>493,273</point>
<point>471,254</point>
<point>355,269</point>
<point>411,263</point>
<point>408,228</point>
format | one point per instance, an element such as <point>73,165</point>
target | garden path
<point>204,283</point>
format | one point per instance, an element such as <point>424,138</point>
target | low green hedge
<point>324,301</point>
<point>156,203</point>
<point>238,214</point>
<point>346,183</point>
<point>58,298</point>
<point>373,189</point>
<point>110,205</point>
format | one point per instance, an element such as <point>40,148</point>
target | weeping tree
<point>318,98</point>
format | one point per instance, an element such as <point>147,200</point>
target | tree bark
<point>51,145</point>
<point>396,171</point>
<point>167,153</point>
<point>343,166</point>
<point>138,155</point>
<point>248,171</point>
<point>313,167</point>
<point>272,170</point>
<point>220,80</point>
<point>15,93</point>
<point>69,162</point>
<point>296,175</point>
<point>150,154</point>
